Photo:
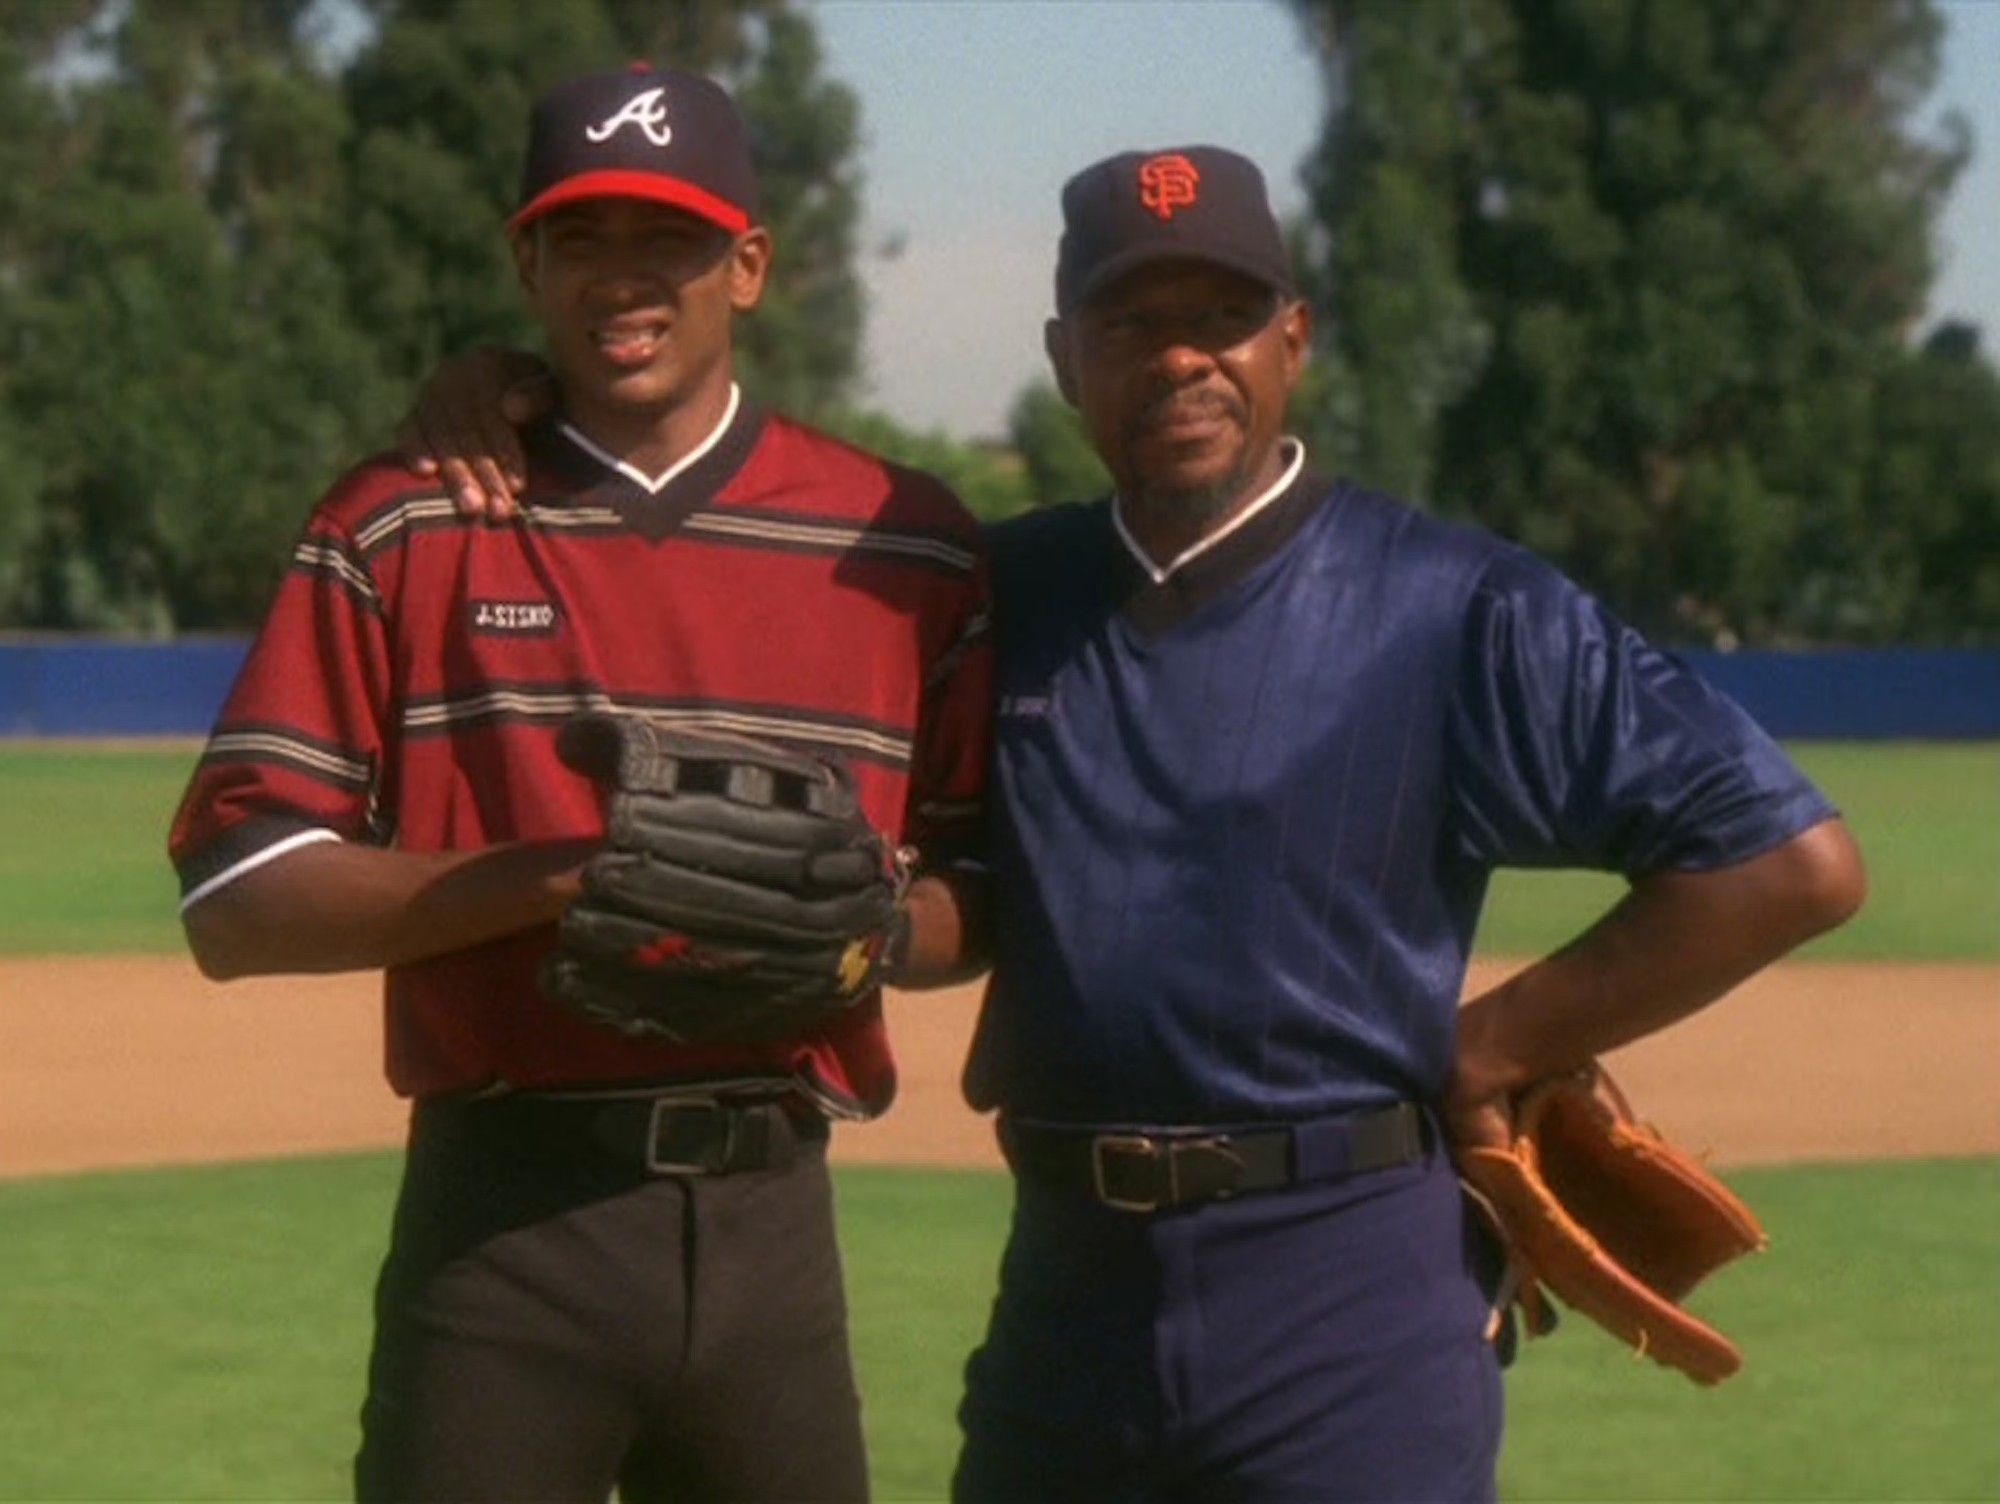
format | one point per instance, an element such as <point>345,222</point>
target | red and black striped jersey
<point>407,684</point>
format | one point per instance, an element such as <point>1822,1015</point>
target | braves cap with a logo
<point>1190,203</point>
<point>655,134</point>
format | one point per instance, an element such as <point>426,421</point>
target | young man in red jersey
<point>613,1261</point>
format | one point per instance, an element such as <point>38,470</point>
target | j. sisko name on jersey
<point>1026,707</point>
<point>512,618</point>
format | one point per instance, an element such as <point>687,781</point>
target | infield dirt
<point>120,1062</point>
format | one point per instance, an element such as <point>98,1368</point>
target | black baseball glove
<point>741,894</point>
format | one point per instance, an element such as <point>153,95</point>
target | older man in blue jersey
<point>1263,738</point>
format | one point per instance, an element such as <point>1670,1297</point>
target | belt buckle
<point>1124,1143</point>
<point>1215,1146</point>
<point>658,1164</point>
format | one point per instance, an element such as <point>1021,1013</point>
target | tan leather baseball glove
<point>1613,1220</point>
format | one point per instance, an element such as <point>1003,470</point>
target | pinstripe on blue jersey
<point>1241,848</point>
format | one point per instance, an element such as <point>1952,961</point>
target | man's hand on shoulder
<point>465,425</point>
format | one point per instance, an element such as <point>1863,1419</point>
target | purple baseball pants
<point>1320,1343</point>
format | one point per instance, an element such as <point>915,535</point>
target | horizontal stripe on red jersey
<point>284,746</point>
<point>322,554</point>
<point>552,704</point>
<point>390,526</point>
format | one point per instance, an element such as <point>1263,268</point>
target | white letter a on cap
<point>643,110</point>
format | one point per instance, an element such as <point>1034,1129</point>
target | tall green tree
<point>1630,280</point>
<point>1932,491</point>
<point>1399,335</point>
<point>225,257</point>
<point>153,281</point>
<point>27,129</point>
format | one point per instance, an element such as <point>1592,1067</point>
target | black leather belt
<point>678,1134</point>
<point>1161,1168</point>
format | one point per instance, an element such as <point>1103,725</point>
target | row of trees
<point>1634,282</point>
<point>230,245</point>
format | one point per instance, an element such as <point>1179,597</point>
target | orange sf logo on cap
<point>1167,183</point>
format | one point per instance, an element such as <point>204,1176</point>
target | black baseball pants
<point>554,1321</point>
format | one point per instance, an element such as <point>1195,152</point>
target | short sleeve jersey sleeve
<point>298,750</point>
<point>1575,743</point>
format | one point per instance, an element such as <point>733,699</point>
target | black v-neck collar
<point>586,480</point>
<point>1158,608</point>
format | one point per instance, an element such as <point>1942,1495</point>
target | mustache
<point>1170,407</point>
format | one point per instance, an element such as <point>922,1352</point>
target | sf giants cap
<point>664,136</point>
<point>1193,203</point>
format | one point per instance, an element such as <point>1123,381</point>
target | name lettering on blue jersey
<point>1026,707</point>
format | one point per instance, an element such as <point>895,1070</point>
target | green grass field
<point>200,1334</point>
<point>83,834</point>
<point>1927,816</point>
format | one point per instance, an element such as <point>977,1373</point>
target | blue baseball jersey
<point>1245,818</point>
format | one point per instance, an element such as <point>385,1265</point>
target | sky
<point>975,111</point>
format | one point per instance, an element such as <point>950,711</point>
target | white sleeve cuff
<point>253,861</point>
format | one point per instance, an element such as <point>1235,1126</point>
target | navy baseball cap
<point>655,134</point>
<point>1190,203</point>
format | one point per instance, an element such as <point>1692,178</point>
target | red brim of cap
<point>650,187</point>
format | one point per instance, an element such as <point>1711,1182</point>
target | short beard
<point>1199,508</point>
<point>1196,508</point>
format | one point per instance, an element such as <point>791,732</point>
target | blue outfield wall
<point>68,686</point>
<point>1864,694</point>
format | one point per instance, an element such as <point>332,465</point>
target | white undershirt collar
<point>1160,574</point>
<point>654,484</point>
